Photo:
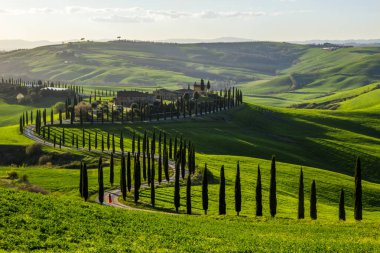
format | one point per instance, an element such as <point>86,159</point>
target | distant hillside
<point>151,64</point>
<point>8,45</point>
<point>280,74</point>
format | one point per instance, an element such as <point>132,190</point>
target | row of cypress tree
<point>125,184</point>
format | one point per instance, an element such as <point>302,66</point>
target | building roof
<point>133,93</point>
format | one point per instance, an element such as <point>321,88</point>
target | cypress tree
<point>358,191</point>
<point>122,143</point>
<point>313,201</point>
<point>166,165</point>
<point>136,179</point>
<point>148,161</point>
<point>112,173</point>
<point>129,177</point>
<point>96,140</point>
<point>89,141</point>
<point>133,143</point>
<point>102,143</point>
<point>272,189</point>
<point>259,195</point>
<point>222,192</point>
<point>113,143</point>
<point>123,183</point>
<point>81,179</point>
<point>85,183</point>
<point>152,187</point>
<point>301,198</point>
<point>83,139</point>
<point>108,141</point>
<point>144,156</point>
<point>100,181</point>
<point>237,191</point>
<point>183,160</point>
<point>176,187</point>
<point>170,148</point>
<point>205,190</point>
<point>342,211</point>
<point>188,195</point>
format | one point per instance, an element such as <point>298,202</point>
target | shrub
<point>12,175</point>
<point>59,106</point>
<point>44,159</point>
<point>33,150</point>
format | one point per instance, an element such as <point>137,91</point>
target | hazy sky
<point>279,20</point>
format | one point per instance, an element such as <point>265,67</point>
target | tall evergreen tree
<point>166,165</point>
<point>112,173</point>
<point>313,201</point>
<point>129,176</point>
<point>342,211</point>
<point>222,192</point>
<point>123,183</point>
<point>301,198</point>
<point>144,156</point>
<point>136,178</point>
<point>205,189</point>
<point>177,197</point>
<point>358,191</point>
<point>85,183</point>
<point>81,179</point>
<point>122,143</point>
<point>259,194</point>
<point>152,187</point>
<point>100,181</point>
<point>133,143</point>
<point>188,195</point>
<point>237,190</point>
<point>272,189</point>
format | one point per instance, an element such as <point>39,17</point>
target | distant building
<point>126,98</point>
<point>166,94</point>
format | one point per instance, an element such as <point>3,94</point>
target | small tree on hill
<point>222,192</point>
<point>301,198</point>
<point>129,176</point>
<point>237,191</point>
<point>205,190</point>
<point>112,173</point>
<point>272,189</point>
<point>259,195</point>
<point>85,183</point>
<point>176,187</point>
<point>358,191</point>
<point>342,211</point>
<point>123,183</point>
<point>313,201</point>
<point>100,181</point>
<point>188,194</point>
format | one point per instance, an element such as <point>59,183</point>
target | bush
<point>33,150</point>
<point>59,106</point>
<point>44,159</point>
<point>12,175</point>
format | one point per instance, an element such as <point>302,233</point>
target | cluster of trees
<point>146,152</point>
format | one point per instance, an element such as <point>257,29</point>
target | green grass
<point>45,223</point>
<point>324,139</point>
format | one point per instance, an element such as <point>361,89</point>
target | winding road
<point>29,132</point>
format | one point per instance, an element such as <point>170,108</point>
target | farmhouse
<point>166,94</point>
<point>126,98</point>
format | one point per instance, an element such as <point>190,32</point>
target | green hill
<point>150,64</point>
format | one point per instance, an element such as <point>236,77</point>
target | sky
<point>270,20</point>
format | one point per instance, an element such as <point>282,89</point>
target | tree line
<point>125,184</point>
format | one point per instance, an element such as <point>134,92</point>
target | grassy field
<point>325,143</point>
<point>46,223</point>
<point>323,139</point>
